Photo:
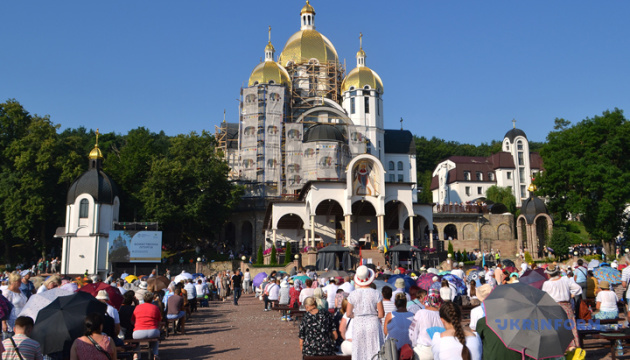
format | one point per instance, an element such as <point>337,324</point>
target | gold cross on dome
<point>270,34</point>
<point>361,41</point>
<point>97,133</point>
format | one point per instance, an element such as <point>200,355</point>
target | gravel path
<point>225,331</point>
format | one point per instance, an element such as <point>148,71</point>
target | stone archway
<point>450,232</point>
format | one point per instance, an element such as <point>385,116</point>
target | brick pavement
<point>243,332</point>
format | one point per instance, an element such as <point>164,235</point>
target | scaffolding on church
<point>323,80</point>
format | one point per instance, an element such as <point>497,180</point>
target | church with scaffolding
<point>312,153</point>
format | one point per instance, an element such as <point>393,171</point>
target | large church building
<point>312,152</point>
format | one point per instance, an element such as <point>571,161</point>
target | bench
<point>283,308</point>
<point>143,345</point>
<point>329,357</point>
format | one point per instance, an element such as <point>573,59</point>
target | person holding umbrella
<point>93,345</point>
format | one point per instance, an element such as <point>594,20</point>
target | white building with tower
<point>467,178</point>
<point>92,208</point>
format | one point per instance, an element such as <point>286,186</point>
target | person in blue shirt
<point>26,287</point>
<point>580,277</point>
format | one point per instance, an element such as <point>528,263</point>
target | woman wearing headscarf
<point>365,307</point>
<point>322,303</point>
<point>562,290</point>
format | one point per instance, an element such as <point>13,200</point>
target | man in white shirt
<point>347,285</point>
<point>457,271</point>
<point>625,280</point>
<point>331,291</point>
<point>274,293</point>
<point>478,312</point>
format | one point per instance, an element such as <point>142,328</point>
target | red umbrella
<point>115,299</point>
<point>535,278</point>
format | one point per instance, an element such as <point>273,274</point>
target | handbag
<point>99,348</point>
<point>388,351</point>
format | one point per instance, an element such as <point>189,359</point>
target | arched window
<point>519,145</point>
<point>391,166</point>
<point>83,209</point>
<point>400,166</point>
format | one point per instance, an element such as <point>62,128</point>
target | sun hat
<point>435,278</point>
<point>483,291</point>
<point>143,285</point>
<point>461,264</point>
<point>400,283</point>
<point>364,276</point>
<point>604,285</point>
<point>284,284</point>
<point>552,270</point>
<point>102,295</point>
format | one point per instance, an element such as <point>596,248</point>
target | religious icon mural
<point>365,178</point>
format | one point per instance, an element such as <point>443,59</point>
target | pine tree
<point>450,248</point>
<point>259,257</point>
<point>274,258</point>
<point>288,254</point>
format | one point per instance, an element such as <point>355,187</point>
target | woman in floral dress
<point>317,331</point>
<point>365,306</point>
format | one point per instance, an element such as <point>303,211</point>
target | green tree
<point>30,200</point>
<point>273,260</point>
<point>587,172</point>
<point>450,248</point>
<point>560,241</point>
<point>187,190</point>
<point>288,254</point>
<point>502,195</point>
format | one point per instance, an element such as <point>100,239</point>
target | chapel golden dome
<point>269,47</point>
<point>95,153</point>
<point>270,71</point>
<point>307,9</point>
<point>359,77</point>
<point>305,45</point>
<point>361,53</point>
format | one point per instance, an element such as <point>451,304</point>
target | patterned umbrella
<point>39,301</point>
<point>459,283</point>
<point>425,281</point>
<point>380,284</point>
<point>473,275</point>
<point>613,276</point>
<point>510,269</point>
<point>508,262</point>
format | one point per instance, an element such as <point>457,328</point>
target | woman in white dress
<point>15,297</point>
<point>365,307</point>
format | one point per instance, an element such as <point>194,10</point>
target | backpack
<point>389,351</point>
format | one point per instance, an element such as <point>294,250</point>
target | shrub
<point>288,255</point>
<point>528,257</point>
<point>259,257</point>
<point>450,248</point>
<point>274,257</point>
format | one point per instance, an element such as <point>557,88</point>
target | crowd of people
<point>351,316</point>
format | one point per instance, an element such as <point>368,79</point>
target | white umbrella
<point>593,264</point>
<point>39,301</point>
<point>183,276</point>
<point>433,271</point>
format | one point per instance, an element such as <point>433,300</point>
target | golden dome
<point>269,47</point>
<point>269,71</point>
<point>361,53</point>
<point>307,9</point>
<point>532,188</point>
<point>305,45</point>
<point>361,76</point>
<point>95,153</point>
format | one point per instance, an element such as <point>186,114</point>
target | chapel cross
<point>401,121</point>
<point>514,123</point>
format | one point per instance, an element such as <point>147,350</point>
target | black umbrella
<point>528,320</point>
<point>508,262</point>
<point>62,321</point>
<point>310,267</point>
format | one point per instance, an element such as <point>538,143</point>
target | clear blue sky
<point>459,70</point>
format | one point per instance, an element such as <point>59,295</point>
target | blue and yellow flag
<point>386,245</point>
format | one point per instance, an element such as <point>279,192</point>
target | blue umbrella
<point>409,282</point>
<point>459,283</point>
<point>380,284</point>
<point>613,276</point>
<point>258,279</point>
